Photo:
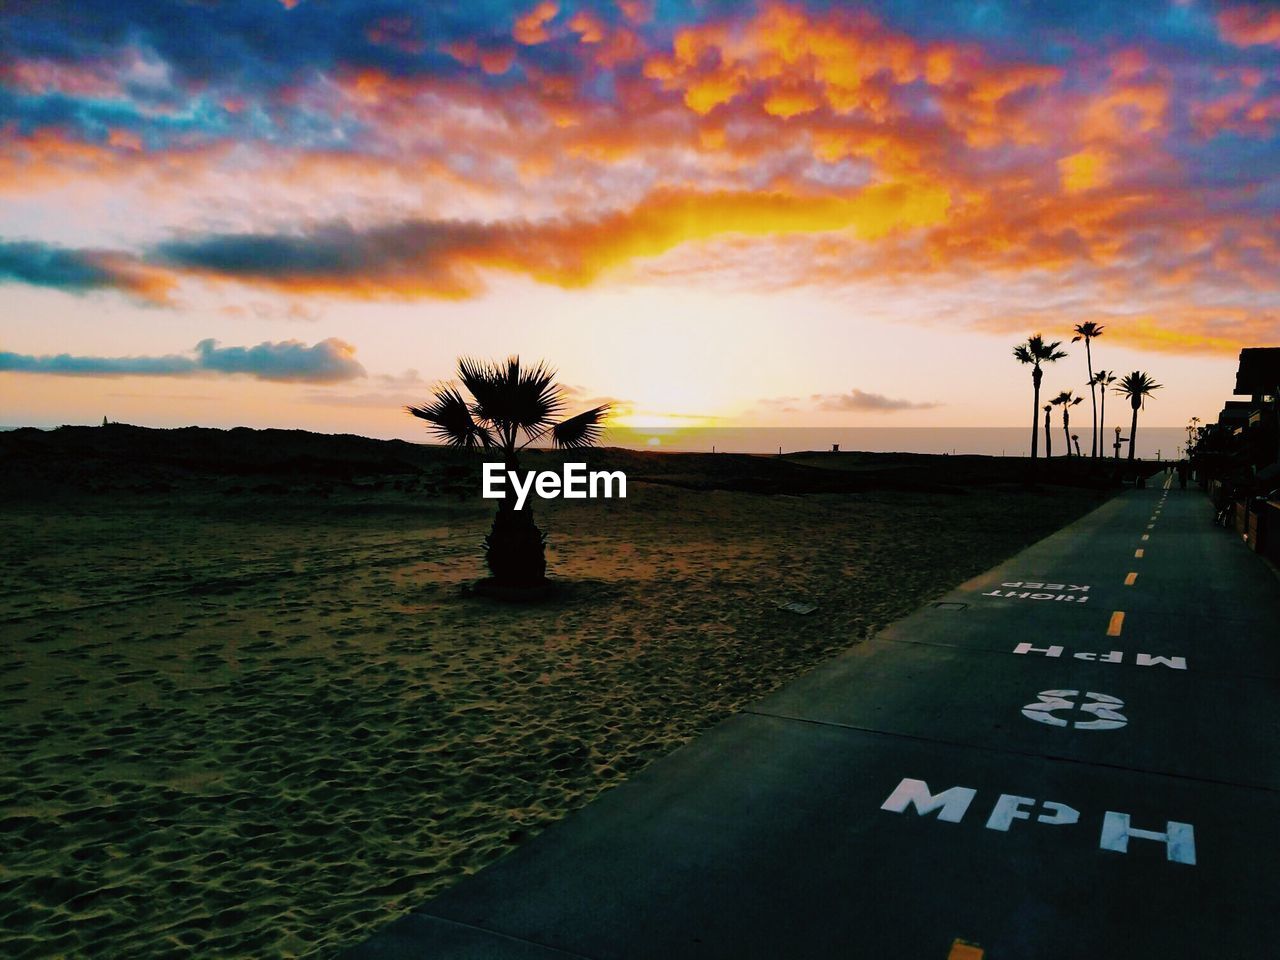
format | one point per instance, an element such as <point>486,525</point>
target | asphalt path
<point>1074,755</point>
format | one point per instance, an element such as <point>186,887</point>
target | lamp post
<point>1117,445</point>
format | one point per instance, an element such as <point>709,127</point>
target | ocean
<point>1153,442</point>
<point>1162,442</point>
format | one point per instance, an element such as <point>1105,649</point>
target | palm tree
<point>1035,352</point>
<point>1103,379</point>
<point>1088,331</point>
<point>1048,439</point>
<point>506,403</point>
<point>1137,386</point>
<point>1066,399</point>
<point>1075,438</point>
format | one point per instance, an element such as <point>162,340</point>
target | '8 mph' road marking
<point>1069,712</point>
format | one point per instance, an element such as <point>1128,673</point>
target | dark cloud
<point>863,402</point>
<point>81,270</point>
<point>409,258</point>
<point>43,265</point>
<point>65,364</point>
<point>329,361</point>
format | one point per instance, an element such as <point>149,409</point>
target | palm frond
<point>511,397</point>
<point>1087,330</point>
<point>1137,386</point>
<point>484,380</point>
<point>540,399</point>
<point>583,430</point>
<point>450,417</point>
<point>1036,351</point>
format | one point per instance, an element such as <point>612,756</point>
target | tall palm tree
<point>1137,386</point>
<point>1048,438</point>
<point>1035,352</point>
<point>1087,332</point>
<point>507,403</point>
<point>1066,399</point>
<point>1103,379</point>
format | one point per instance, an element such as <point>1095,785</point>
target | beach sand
<point>248,719</point>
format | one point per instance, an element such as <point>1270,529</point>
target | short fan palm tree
<point>1089,331</point>
<point>1137,386</point>
<point>1035,352</point>
<point>510,407</point>
<point>1066,399</point>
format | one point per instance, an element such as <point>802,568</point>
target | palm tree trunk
<point>1093,392</point>
<point>1035,412</point>
<point>1066,428</point>
<point>1102,419</point>
<point>515,548</point>
<point>1133,432</point>
<point>1048,440</point>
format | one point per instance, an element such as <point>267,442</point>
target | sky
<point>299,213</point>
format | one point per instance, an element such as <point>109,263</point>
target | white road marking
<point>1104,707</point>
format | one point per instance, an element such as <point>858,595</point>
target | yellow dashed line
<point>960,950</point>
<point>1116,624</point>
<point>1129,580</point>
<point>1138,553</point>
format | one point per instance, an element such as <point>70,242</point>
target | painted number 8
<point>1105,709</point>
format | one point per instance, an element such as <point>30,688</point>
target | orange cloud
<point>1085,170</point>
<point>790,102</point>
<point>1244,110</point>
<point>531,28</point>
<point>49,157</point>
<point>398,33</point>
<point>70,79</point>
<point>728,147</point>
<point>637,11</point>
<point>1204,330</point>
<point>794,62</point>
<point>1123,111</point>
<point>493,60</point>
<point>588,27</point>
<point>1248,26</point>
<point>444,259</point>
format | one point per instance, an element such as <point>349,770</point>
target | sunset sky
<point>300,212</point>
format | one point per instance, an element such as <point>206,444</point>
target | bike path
<point>1002,774</point>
